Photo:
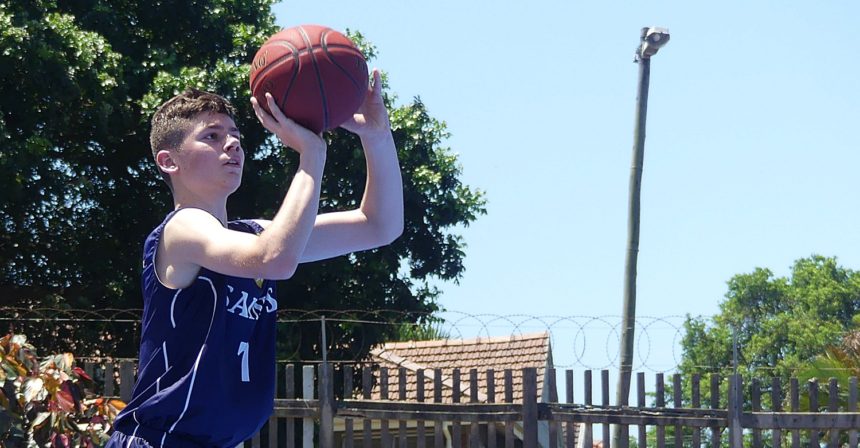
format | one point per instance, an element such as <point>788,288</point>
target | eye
<point>211,136</point>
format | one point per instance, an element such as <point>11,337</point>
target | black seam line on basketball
<point>307,50</point>
<point>319,77</point>
<point>295,75</point>
<point>294,53</point>
<point>333,61</point>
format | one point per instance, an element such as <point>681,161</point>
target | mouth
<point>233,162</point>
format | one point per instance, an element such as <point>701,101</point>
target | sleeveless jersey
<point>206,373</point>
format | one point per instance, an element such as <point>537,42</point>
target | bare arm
<point>379,219</point>
<point>195,238</point>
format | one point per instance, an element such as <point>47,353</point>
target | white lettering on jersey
<point>241,305</point>
<point>251,307</point>
<point>270,301</point>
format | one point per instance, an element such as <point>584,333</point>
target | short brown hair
<point>174,119</point>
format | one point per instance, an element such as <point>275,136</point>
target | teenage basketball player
<point>207,352</point>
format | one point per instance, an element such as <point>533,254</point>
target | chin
<point>236,186</point>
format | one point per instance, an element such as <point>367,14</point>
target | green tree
<point>78,82</point>
<point>780,323</point>
<point>839,362</point>
<point>783,325</point>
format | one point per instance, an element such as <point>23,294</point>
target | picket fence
<point>307,412</point>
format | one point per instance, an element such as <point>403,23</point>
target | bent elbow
<point>281,269</point>
<point>287,272</point>
<point>392,232</point>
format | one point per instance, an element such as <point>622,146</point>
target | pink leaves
<point>52,401</point>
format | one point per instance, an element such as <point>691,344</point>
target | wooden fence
<point>308,414</point>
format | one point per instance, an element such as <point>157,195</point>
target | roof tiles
<point>481,354</point>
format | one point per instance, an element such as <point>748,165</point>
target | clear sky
<point>750,155</point>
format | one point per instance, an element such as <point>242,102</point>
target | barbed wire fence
<point>578,341</point>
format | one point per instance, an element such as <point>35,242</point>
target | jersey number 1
<point>243,350</point>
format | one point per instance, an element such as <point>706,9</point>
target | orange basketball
<point>316,75</point>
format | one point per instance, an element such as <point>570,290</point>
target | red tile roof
<point>497,353</point>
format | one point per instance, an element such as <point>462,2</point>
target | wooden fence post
<point>366,424</point>
<point>326,396</point>
<point>852,407</point>
<point>568,393</point>
<point>676,403</point>
<point>384,433</point>
<point>549,382</point>
<point>108,379</point>
<point>509,398</point>
<point>640,402</point>
<point>126,380</point>
<point>290,383</point>
<point>456,425</point>
<point>604,391</point>
<point>776,400</point>
<point>530,414</point>
<point>422,440</point>
<point>736,436</point>
<point>439,423</point>
<point>696,402</point>
<point>813,407</point>
<point>475,426</point>
<point>660,390</point>
<point>794,397</point>
<point>755,400</point>
<point>349,427</point>
<point>833,406</point>
<point>716,431</point>
<point>308,394</point>
<point>491,398</point>
<point>588,437</point>
<point>401,392</point>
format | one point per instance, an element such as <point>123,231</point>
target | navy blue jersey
<point>206,372</point>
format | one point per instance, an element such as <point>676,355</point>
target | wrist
<point>376,136</point>
<point>313,157</point>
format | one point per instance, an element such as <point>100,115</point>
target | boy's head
<point>177,117</point>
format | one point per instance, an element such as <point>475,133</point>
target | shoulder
<point>191,223</point>
<point>191,215</point>
<point>187,233</point>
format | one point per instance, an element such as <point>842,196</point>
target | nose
<point>232,143</point>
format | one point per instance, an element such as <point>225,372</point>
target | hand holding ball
<point>316,75</point>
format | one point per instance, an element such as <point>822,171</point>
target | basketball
<point>316,75</point>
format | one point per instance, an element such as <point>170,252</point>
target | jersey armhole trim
<point>157,242</point>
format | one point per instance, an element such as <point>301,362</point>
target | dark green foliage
<point>783,326</point>
<point>781,323</point>
<point>79,80</point>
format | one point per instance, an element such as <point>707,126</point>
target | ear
<point>165,162</point>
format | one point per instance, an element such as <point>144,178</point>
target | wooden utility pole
<point>651,40</point>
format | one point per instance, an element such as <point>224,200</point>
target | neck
<point>217,207</point>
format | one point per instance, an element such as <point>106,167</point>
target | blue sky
<point>750,155</point>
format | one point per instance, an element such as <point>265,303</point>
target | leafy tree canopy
<point>780,323</point>
<point>79,80</point>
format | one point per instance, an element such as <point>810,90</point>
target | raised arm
<point>195,238</point>
<point>379,219</point>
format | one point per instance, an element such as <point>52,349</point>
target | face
<point>211,158</point>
